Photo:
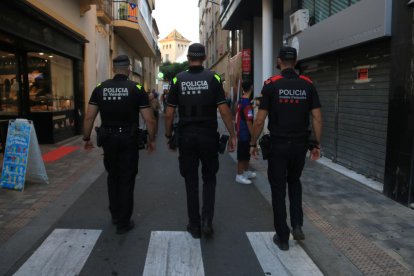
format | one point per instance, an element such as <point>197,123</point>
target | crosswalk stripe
<point>173,253</point>
<point>277,262</point>
<point>64,252</point>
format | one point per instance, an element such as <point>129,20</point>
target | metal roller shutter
<point>355,114</point>
<point>323,73</point>
<point>363,110</point>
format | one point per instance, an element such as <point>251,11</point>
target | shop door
<point>363,109</point>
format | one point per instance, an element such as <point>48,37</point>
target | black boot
<point>195,231</point>
<point>122,229</point>
<point>207,227</point>
<point>283,245</point>
<point>297,233</point>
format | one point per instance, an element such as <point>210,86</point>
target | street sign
<point>22,156</point>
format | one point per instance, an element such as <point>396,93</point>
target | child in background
<point>244,120</point>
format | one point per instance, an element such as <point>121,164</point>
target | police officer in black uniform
<point>197,93</point>
<point>288,99</point>
<point>119,102</point>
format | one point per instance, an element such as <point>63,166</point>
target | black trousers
<point>121,163</point>
<point>195,147</point>
<point>285,164</point>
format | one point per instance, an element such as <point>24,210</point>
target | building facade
<point>174,47</point>
<point>362,68</point>
<point>223,48</point>
<point>53,53</point>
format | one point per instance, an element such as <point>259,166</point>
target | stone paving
<point>18,208</point>
<point>374,232</point>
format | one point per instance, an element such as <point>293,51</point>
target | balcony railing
<point>126,10</point>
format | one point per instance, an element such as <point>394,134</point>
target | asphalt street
<point>160,205</point>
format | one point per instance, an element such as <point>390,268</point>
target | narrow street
<point>81,239</point>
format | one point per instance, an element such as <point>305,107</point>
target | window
<point>10,84</point>
<point>319,10</point>
<point>50,82</point>
<point>338,5</point>
<point>146,14</point>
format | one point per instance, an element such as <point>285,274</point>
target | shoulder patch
<point>305,78</point>
<point>139,86</point>
<point>174,80</point>
<point>274,79</point>
<point>217,77</point>
<point>99,84</point>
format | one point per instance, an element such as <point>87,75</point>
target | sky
<point>177,14</point>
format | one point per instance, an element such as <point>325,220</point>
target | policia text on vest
<point>288,100</point>
<point>119,102</point>
<point>197,93</point>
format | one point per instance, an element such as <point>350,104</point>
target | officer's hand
<point>254,152</point>
<point>315,154</point>
<point>151,147</point>
<point>88,145</point>
<point>232,144</point>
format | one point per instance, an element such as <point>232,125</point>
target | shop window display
<point>50,82</point>
<point>9,84</point>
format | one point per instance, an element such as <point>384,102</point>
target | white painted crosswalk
<point>277,262</point>
<point>64,252</point>
<point>170,253</point>
<point>175,254</point>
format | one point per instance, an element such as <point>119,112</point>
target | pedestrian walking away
<point>288,99</point>
<point>155,105</point>
<point>244,123</point>
<point>119,102</point>
<point>197,93</point>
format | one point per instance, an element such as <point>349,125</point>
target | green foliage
<point>171,69</point>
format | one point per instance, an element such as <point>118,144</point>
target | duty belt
<point>117,129</point>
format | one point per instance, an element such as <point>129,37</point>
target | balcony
<point>130,25</point>
<point>104,10</point>
<point>234,12</point>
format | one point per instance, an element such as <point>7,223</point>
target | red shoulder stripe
<point>276,78</point>
<point>305,78</point>
<point>273,79</point>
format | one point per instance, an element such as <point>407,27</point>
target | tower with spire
<point>174,47</point>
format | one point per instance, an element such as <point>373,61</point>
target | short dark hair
<point>192,59</point>
<point>247,85</point>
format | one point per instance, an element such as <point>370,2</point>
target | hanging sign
<point>22,156</point>
<point>246,61</point>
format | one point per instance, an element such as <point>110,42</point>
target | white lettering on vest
<point>115,93</point>
<point>194,85</point>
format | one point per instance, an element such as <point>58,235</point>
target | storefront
<point>41,71</point>
<point>353,86</point>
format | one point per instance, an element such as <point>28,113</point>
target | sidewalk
<point>350,228</point>
<point>17,209</point>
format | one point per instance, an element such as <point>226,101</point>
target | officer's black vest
<point>122,112</point>
<point>196,99</point>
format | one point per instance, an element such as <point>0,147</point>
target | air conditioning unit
<point>299,21</point>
